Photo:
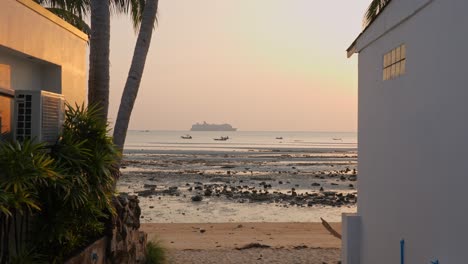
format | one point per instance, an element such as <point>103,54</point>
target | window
<point>6,113</point>
<point>394,63</point>
<point>6,101</point>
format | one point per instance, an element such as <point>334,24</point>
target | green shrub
<point>63,193</point>
<point>25,168</point>
<point>155,254</point>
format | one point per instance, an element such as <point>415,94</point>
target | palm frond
<point>74,11</point>
<point>374,9</point>
<point>71,18</point>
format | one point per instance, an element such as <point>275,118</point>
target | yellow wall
<point>29,29</point>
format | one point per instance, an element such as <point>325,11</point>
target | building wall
<point>26,73</point>
<point>43,51</point>
<point>413,136</point>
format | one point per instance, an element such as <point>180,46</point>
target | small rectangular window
<point>398,57</point>
<point>394,63</point>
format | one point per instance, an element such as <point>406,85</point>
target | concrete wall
<point>413,135</point>
<point>29,73</point>
<point>43,51</point>
<point>93,254</point>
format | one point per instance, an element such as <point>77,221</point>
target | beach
<point>254,184</point>
<point>246,242</point>
<point>205,200</point>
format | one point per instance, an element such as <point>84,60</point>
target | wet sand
<point>241,185</point>
<point>223,242</point>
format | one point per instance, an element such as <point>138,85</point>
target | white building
<point>413,136</point>
<point>42,63</point>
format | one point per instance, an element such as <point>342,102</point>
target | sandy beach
<point>205,202</point>
<point>226,242</point>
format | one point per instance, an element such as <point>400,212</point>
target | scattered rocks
<point>146,193</point>
<point>208,192</point>
<point>197,198</point>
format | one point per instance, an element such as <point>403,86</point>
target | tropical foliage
<point>75,11</point>
<point>56,199</point>
<point>374,9</point>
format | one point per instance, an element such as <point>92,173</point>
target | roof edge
<point>53,18</point>
<point>352,47</point>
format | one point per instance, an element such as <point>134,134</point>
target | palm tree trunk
<point>98,82</point>
<point>136,71</point>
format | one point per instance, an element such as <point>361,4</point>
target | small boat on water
<point>221,139</point>
<point>279,137</point>
<point>186,137</point>
<point>337,139</point>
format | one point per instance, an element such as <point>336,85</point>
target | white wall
<point>30,30</point>
<point>413,138</point>
<point>31,74</point>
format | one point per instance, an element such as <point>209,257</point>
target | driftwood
<point>253,245</point>
<point>330,229</point>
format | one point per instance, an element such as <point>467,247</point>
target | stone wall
<point>128,244</point>
<point>124,243</point>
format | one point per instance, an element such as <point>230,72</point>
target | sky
<point>259,65</point>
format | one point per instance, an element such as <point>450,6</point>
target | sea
<point>240,140</point>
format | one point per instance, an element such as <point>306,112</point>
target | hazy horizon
<point>239,130</point>
<point>258,65</point>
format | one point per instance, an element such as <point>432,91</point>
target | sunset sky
<point>260,65</point>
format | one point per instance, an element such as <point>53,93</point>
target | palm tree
<point>132,84</point>
<point>143,11</point>
<point>99,52</point>
<point>374,9</point>
<point>74,12</point>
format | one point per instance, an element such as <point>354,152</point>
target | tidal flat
<point>241,185</point>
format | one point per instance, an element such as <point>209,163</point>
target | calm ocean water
<point>242,140</point>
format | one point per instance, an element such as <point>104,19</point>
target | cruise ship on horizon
<point>212,127</point>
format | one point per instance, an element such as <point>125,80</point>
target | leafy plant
<point>24,169</point>
<point>58,198</point>
<point>27,256</point>
<point>78,206</point>
<point>155,254</point>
